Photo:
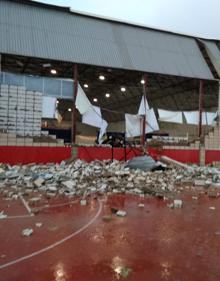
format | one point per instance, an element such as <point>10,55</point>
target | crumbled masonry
<point>101,177</point>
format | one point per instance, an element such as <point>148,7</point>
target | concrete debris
<point>124,271</point>
<point>121,213</point>
<point>212,208</point>
<point>141,205</point>
<point>212,194</point>
<point>177,203</point>
<point>194,197</point>
<point>27,231</point>
<point>83,202</point>
<point>199,182</point>
<point>2,215</point>
<point>38,182</point>
<point>79,178</point>
<point>38,224</point>
<point>217,233</point>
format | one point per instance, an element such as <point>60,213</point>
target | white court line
<point>17,217</point>
<point>56,243</point>
<point>57,205</point>
<point>40,208</point>
<point>25,204</point>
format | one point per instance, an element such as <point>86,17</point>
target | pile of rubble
<point>102,177</point>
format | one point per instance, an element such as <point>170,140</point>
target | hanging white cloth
<point>92,116</point>
<point>49,107</point>
<point>82,102</point>
<point>192,117</point>
<point>102,131</point>
<point>143,106</point>
<point>133,125</point>
<point>151,121</point>
<point>209,118</point>
<point>170,116</point>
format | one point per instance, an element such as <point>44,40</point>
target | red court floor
<point>75,243</point>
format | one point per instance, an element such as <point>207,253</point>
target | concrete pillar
<point>201,97</point>
<point>202,155</point>
<point>75,72</point>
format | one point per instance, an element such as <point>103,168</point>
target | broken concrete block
<point>83,202</point>
<point>194,197</point>
<point>39,182</point>
<point>12,174</point>
<point>141,205</point>
<point>137,191</point>
<point>52,188</point>
<point>121,213</point>
<point>38,224</point>
<point>199,182</point>
<point>177,203</point>
<point>69,184</point>
<point>212,194</point>
<point>27,231</point>
<point>47,176</point>
<point>212,208</point>
<point>2,215</point>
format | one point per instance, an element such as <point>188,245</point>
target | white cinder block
<point>21,88</point>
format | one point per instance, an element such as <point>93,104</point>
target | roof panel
<point>213,53</point>
<point>58,35</point>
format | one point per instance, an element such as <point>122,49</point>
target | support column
<point>200,133</point>
<point>219,104</point>
<point>75,83</point>
<point>144,116</point>
<point>201,97</point>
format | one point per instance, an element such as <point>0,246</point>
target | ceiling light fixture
<point>95,99</point>
<point>53,71</point>
<point>86,86</point>
<point>69,109</point>
<point>101,77</point>
<point>123,89</point>
<point>142,81</point>
<point>107,95</point>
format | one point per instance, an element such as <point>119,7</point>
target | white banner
<point>82,102</point>
<point>92,116</point>
<point>192,117</point>
<point>102,131</point>
<point>143,106</point>
<point>151,121</point>
<point>133,124</point>
<point>170,116</point>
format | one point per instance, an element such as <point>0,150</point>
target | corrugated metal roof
<point>213,53</point>
<point>54,34</point>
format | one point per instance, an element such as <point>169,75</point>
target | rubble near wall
<point>101,177</point>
